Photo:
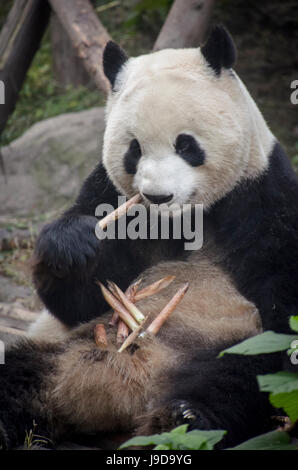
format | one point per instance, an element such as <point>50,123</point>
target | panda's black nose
<point>159,198</point>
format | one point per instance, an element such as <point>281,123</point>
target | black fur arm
<point>69,258</point>
<point>69,243</point>
<point>96,189</point>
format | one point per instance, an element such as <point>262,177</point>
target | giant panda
<point>180,127</point>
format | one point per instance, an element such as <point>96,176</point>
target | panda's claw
<point>188,414</point>
<point>182,413</point>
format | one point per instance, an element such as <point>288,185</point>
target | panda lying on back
<point>181,127</point>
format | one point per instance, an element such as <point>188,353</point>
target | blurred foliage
<point>134,24</point>
<point>148,15</point>
<point>42,98</point>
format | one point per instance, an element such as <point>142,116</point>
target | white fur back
<point>47,328</point>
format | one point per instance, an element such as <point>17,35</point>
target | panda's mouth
<point>165,205</point>
<point>158,198</point>
<point>166,202</point>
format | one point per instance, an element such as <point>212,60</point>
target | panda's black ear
<point>113,59</point>
<point>219,50</point>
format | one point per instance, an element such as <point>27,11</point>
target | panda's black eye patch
<point>188,148</point>
<point>132,157</point>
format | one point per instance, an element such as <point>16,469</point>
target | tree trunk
<point>68,68</point>
<point>87,35</point>
<point>19,40</point>
<point>186,25</point>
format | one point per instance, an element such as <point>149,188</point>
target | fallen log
<point>12,331</point>
<point>18,312</point>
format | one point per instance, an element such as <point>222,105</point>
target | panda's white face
<point>177,133</point>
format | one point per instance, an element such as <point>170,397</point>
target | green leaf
<point>294,323</point>
<point>178,439</point>
<point>208,439</point>
<point>275,440</point>
<point>264,343</point>
<point>165,438</point>
<point>188,442</point>
<point>146,440</point>
<point>287,401</point>
<point>281,382</point>
<point>197,440</point>
<point>180,429</point>
<point>162,447</point>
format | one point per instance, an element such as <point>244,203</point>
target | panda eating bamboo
<point>180,128</point>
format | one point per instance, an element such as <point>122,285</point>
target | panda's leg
<point>47,328</point>
<point>208,392</point>
<point>56,389</point>
<point>23,381</point>
<point>101,390</point>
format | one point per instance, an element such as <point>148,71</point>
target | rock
<point>45,167</point>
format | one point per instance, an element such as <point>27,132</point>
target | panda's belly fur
<point>95,390</point>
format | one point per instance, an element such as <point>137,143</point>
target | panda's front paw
<point>185,412</point>
<point>164,418</point>
<point>68,244</point>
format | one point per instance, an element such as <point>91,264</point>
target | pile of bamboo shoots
<point>126,315</point>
